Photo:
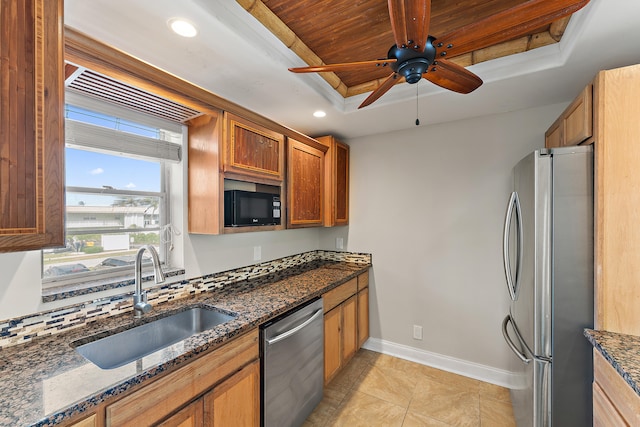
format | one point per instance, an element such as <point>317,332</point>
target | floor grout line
<point>349,382</point>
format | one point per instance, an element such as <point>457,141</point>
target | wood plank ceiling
<point>337,31</point>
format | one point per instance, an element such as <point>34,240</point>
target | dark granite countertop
<point>45,382</point>
<point>621,351</point>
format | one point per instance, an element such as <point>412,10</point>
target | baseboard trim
<point>446,363</point>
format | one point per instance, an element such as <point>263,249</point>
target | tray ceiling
<point>337,31</point>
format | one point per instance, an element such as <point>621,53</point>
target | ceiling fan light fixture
<point>413,69</point>
<point>182,27</point>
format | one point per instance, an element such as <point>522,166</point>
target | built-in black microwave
<point>244,208</point>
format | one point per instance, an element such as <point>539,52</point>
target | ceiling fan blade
<point>410,22</point>
<point>343,67</point>
<point>452,76</point>
<point>381,90</point>
<point>418,18</point>
<point>506,25</point>
<point>397,15</point>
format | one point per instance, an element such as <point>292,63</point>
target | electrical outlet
<point>339,243</point>
<point>417,332</point>
<point>257,253</point>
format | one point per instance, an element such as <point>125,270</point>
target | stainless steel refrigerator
<point>548,259</point>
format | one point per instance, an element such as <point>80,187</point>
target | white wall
<point>429,204</point>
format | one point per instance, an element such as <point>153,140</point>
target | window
<point>117,197</point>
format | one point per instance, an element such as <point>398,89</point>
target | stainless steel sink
<point>119,349</point>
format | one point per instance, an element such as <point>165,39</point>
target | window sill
<point>99,285</point>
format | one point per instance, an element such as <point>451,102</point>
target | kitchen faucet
<point>140,304</point>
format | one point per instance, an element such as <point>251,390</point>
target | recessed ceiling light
<point>182,27</point>
<point>319,113</point>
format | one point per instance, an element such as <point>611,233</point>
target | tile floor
<point>379,390</point>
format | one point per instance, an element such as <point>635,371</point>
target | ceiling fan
<point>416,54</point>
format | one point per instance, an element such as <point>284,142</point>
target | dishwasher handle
<point>295,330</point>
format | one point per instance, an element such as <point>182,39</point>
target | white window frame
<point>115,142</point>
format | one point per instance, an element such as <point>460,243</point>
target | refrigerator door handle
<point>513,208</point>
<point>510,343</point>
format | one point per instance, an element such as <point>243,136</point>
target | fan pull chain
<point>417,119</point>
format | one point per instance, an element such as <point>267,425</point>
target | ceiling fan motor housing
<point>412,64</point>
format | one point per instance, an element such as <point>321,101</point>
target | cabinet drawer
<point>339,294</point>
<point>162,397</point>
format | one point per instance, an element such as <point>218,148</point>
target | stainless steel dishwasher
<point>292,358</point>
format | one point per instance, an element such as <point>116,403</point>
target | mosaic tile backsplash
<point>24,329</point>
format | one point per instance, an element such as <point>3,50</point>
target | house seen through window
<point>116,196</point>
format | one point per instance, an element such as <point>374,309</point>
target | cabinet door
<point>617,179</point>
<point>363,316</point>
<point>575,124</point>
<point>236,401</point>
<point>349,329</point>
<point>553,136</point>
<point>340,188</point>
<point>336,178</point>
<point>252,150</point>
<point>31,125</point>
<point>332,343</point>
<point>613,397</point>
<point>205,184</point>
<point>305,185</point>
<point>604,413</point>
<point>578,118</point>
<point>190,416</point>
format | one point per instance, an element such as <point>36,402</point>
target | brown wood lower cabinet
<point>220,388</point>
<point>90,421</point>
<point>363,316</point>
<point>615,403</point>
<point>350,328</point>
<point>190,416</point>
<point>332,343</point>
<point>346,323</point>
<point>235,402</point>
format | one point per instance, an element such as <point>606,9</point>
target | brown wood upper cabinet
<point>336,201</point>
<point>305,185</point>
<point>575,124</point>
<point>252,151</point>
<point>31,125</point>
<point>205,181</point>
